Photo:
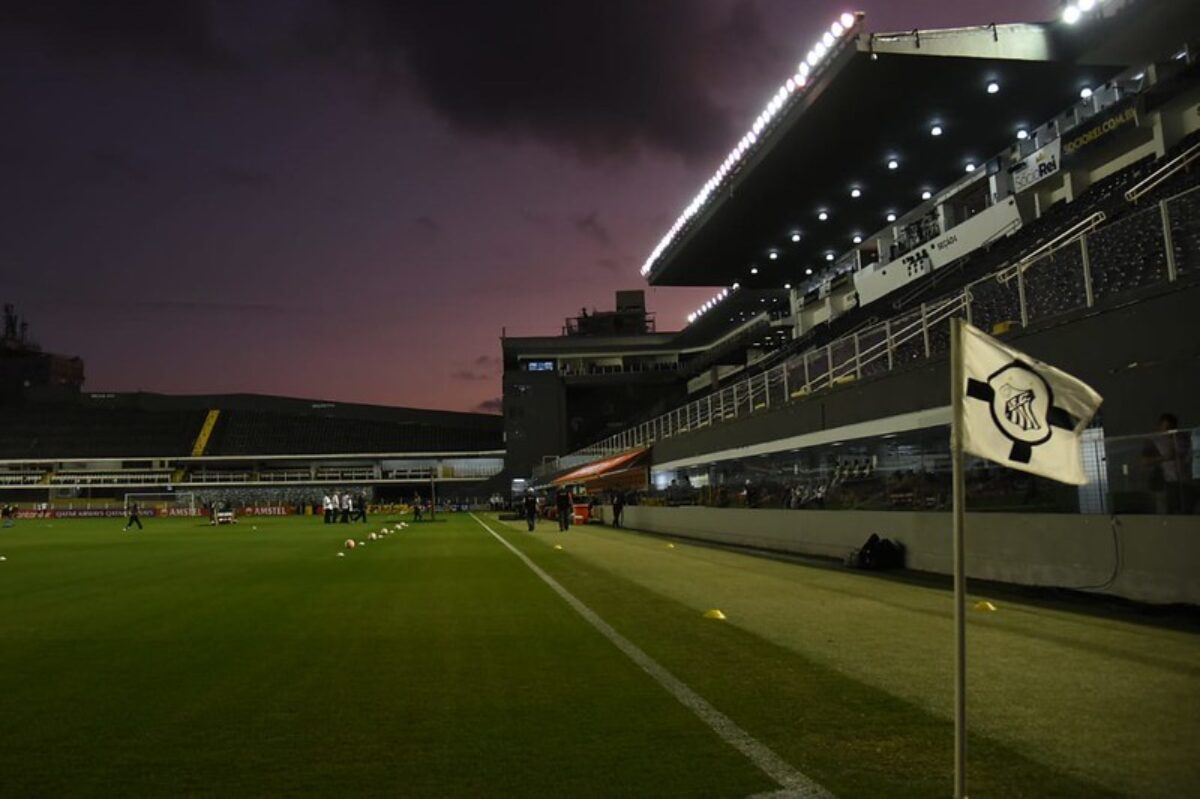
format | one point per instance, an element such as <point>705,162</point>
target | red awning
<point>598,469</point>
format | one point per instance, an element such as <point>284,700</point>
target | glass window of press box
<point>1155,473</point>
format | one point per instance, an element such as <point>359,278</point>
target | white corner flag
<point>1022,413</point>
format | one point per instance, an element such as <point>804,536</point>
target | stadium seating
<point>73,431</point>
<point>256,432</point>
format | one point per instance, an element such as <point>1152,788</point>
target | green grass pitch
<point>190,660</point>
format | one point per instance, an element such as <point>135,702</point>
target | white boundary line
<point>794,783</point>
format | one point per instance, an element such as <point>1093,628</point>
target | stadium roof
<point>855,141</point>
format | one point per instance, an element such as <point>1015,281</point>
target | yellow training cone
<point>714,614</point>
<point>983,604</point>
<point>558,546</point>
<point>670,546</point>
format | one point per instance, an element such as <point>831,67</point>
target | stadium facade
<point>1039,180</point>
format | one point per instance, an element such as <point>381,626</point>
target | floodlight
<point>993,87</point>
<point>893,163</point>
<point>1070,14</point>
<point>936,130</point>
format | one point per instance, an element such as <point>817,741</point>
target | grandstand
<point>1038,180</point>
<point>95,446</point>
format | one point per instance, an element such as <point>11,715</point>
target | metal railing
<point>1163,173</point>
<point>1152,246</point>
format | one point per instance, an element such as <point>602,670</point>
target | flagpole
<point>957,389</point>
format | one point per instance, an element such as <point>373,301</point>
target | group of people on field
<point>344,508</point>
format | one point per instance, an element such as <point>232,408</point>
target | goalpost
<point>164,503</point>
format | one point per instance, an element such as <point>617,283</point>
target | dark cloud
<point>470,376</point>
<point>209,307</point>
<point>244,178</point>
<point>428,223</point>
<point>601,78</point>
<point>180,31</point>
<point>590,226</point>
<point>489,361</point>
<point>494,405</point>
<point>111,162</point>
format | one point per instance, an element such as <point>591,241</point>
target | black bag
<point>878,554</point>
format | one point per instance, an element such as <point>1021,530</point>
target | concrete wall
<point>1160,555</point>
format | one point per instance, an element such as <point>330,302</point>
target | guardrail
<point>1155,245</point>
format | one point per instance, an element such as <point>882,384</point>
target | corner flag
<point>1022,413</point>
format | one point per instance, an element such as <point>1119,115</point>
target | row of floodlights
<point>795,84</point>
<point>708,306</point>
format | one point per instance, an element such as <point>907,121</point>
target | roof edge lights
<point>828,44</point>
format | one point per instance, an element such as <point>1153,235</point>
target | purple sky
<point>351,199</point>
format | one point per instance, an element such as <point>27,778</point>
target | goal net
<point>167,503</point>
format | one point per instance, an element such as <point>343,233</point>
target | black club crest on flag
<point>1022,407</point>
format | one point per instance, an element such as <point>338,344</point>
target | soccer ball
<point>350,543</point>
<point>372,537</point>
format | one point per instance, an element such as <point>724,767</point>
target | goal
<point>167,503</point>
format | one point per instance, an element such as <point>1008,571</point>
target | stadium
<point>749,557</point>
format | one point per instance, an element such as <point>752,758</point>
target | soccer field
<point>190,660</point>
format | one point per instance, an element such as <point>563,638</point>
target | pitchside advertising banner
<point>1037,166</point>
<point>146,513</point>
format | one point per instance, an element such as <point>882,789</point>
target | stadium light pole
<point>957,389</point>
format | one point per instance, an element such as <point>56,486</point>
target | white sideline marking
<point>793,782</point>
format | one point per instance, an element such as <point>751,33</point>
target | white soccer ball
<point>350,543</point>
<point>372,537</point>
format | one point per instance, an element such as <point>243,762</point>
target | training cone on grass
<point>983,604</point>
<point>670,546</point>
<point>714,614</point>
<point>558,546</point>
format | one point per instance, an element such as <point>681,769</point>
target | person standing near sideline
<point>562,502</point>
<point>133,518</point>
<point>531,510</point>
<point>346,507</point>
<point>327,506</point>
<point>361,502</point>
<point>618,508</point>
